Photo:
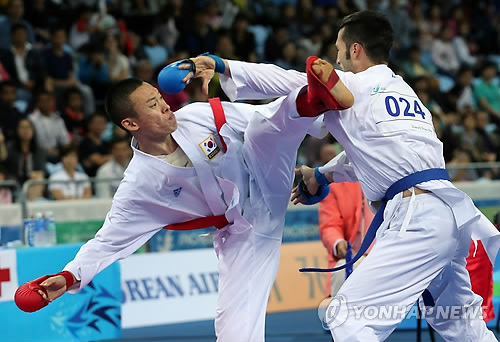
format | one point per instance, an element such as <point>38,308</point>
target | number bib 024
<point>394,110</point>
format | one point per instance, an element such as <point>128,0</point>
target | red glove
<point>27,297</point>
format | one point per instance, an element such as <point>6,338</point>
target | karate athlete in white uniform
<point>426,231</point>
<point>179,172</point>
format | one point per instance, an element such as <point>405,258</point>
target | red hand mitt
<point>27,297</point>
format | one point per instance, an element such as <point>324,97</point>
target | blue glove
<point>322,192</point>
<point>170,77</point>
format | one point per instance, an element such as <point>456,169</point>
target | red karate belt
<point>200,223</point>
<point>219,116</point>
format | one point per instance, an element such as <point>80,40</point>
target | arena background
<point>167,291</point>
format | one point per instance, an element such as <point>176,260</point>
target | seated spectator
<point>72,113</point>
<point>80,31</point>
<point>23,153</point>
<point>10,115</point>
<point>444,55</point>
<point>5,191</point>
<point>94,152</point>
<point>470,140</point>
<point>487,92</point>
<point>121,153</point>
<point>144,71</point>
<point>311,43</point>
<point>275,42</point>
<point>156,53</point>
<point>71,190</point>
<point>51,133</point>
<point>60,70</point>
<point>42,14</point>
<point>117,62</point>
<point>397,14</point>
<point>288,18</point>
<point>26,160</point>
<point>288,59</point>
<point>165,29</point>
<point>435,21</point>
<point>15,15</point>
<point>224,46</point>
<point>489,136</point>
<point>461,96</point>
<point>413,67</point>
<point>461,44</point>
<point>23,62</point>
<point>197,37</point>
<point>59,62</point>
<point>457,173</point>
<point>243,40</point>
<point>94,72</point>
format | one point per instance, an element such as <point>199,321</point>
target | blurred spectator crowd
<point>58,58</point>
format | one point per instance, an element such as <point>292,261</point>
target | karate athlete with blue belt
<point>426,224</point>
<point>230,165</point>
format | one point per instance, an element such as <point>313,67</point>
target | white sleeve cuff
<point>341,168</point>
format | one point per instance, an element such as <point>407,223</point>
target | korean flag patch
<point>210,147</point>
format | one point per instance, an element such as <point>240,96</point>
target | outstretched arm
<point>248,81</point>
<point>121,235</point>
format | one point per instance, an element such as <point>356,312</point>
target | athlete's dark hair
<point>370,29</point>
<point>118,105</point>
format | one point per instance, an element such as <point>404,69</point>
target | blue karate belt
<point>348,258</point>
<point>401,185</point>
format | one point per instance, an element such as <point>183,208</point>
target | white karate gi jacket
<point>388,134</point>
<point>154,193</point>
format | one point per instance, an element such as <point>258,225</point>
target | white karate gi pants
<point>248,261</point>
<point>430,255</point>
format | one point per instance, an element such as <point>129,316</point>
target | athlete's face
<point>154,116</point>
<point>344,53</point>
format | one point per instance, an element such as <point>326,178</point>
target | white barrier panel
<point>74,210</point>
<point>166,288</point>
<point>10,214</point>
<point>480,190</point>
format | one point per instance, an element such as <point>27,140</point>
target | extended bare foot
<point>323,70</point>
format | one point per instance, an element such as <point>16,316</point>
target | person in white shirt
<point>121,153</point>
<point>51,132</point>
<point>193,165</point>
<point>444,55</point>
<point>80,189</point>
<point>424,225</point>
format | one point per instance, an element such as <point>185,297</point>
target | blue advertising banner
<point>92,314</point>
